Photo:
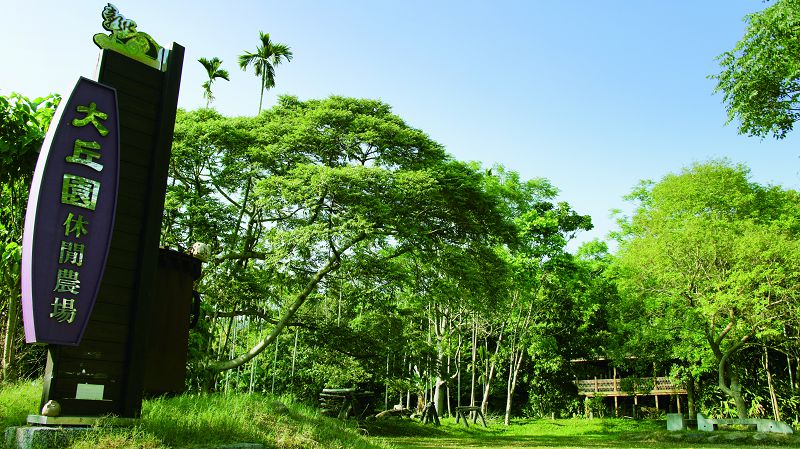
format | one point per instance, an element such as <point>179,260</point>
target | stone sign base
<point>30,437</point>
<point>56,431</point>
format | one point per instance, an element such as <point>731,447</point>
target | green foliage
<point>267,55</point>
<point>637,385</point>
<point>17,401</point>
<point>214,70</point>
<point>339,205</point>
<point>708,264</point>
<point>23,124</point>
<point>760,77</point>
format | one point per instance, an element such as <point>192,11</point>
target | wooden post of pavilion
<point>616,395</point>
<point>655,387</point>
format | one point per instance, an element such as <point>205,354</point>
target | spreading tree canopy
<point>710,263</point>
<point>290,196</point>
<point>760,77</point>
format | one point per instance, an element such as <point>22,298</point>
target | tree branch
<point>300,299</point>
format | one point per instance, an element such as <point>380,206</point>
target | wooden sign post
<point>102,373</point>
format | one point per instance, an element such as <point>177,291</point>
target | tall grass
<point>17,401</point>
<point>253,418</point>
<point>202,420</point>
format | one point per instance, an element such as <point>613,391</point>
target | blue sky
<point>593,95</point>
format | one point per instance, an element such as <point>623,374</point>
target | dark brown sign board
<point>70,216</point>
<point>104,373</point>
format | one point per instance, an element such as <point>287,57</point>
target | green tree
<point>314,188</point>
<point>267,55</point>
<point>214,71</point>
<point>760,77</point>
<point>709,265</point>
<point>542,286</point>
<point>23,123</point>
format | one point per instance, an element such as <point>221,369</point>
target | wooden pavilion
<point>659,387</point>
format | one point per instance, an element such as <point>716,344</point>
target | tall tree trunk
<point>736,389</point>
<point>294,352</point>
<point>438,394</point>
<point>727,378</point>
<point>253,366</point>
<point>9,347</point>
<point>386,384</point>
<point>776,412</point>
<point>449,359</point>
<point>275,365</point>
<point>506,419</point>
<point>440,332</point>
<point>732,387</point>
<point>485,364</point>
<point>691,397</point>
<point>474,360</point>
<point>458,370</point>
<point>408,392</point>
<point>513,371</point>
<point>263,86</point>
<point>490,376</point>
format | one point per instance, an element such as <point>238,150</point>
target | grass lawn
<point>565,433</point>
<point>191,421</point>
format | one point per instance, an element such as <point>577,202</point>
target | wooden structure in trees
<point>345,402</point>
<point>618,387</point>
<point>429,414</point>
<point>662,386</point>
<point>461,412</point>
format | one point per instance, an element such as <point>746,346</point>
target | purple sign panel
<point>70,216</point>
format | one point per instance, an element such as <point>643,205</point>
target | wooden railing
<point>613,387</point>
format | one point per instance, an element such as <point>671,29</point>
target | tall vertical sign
<point>70,216</point>
<point>103,374</point>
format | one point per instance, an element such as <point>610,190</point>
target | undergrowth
<point>204,420</point>
<point>17,401</point>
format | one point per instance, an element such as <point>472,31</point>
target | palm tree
<point>214,71</point>
<point>264,60</point>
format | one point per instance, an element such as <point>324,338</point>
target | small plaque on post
<point>91,392</point>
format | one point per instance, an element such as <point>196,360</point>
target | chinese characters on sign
<point>70,216</point>
<point>83,193</point>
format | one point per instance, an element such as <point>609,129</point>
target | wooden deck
<point>611,387</point>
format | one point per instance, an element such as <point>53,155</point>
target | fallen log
<point>401,412</point>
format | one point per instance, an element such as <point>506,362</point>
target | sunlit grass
<point>561,433</point>
<point>206,420</point>
<point>203,420</point>
<point>17,401</point>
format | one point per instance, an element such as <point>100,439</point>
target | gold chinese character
<point>76,225</point>
<point>67,282</point>
<point>83,153</point>
<point>71,253</point>
<point>92,116</point>
<point>79,191</point>
<point>63,310</point>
